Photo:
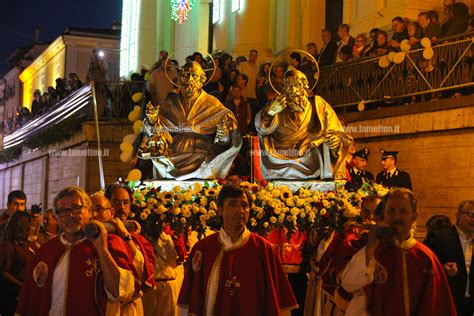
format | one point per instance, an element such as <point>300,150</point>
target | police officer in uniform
<point>357,172</point>
<point>392,176</point>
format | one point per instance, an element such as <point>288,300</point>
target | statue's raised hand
<point>278,105</point>
<point>223,131</point>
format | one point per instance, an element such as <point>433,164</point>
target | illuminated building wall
<point>270,26</point>
<point>70,52</point>
<point>363,15</point>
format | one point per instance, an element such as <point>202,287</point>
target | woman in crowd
<point>414,34</point>
<point>360,47</point>
<point>15,254</point>
<point>382,47</point>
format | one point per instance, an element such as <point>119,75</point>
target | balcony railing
<point>450,68</point>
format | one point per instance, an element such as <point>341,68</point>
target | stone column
<point>252,29</point>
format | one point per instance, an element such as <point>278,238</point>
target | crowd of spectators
<point>457,21</point>
<point>43,101</point>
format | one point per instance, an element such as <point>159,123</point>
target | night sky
<point>53,17</point>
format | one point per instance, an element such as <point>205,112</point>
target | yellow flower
<point>311,216</point>
<point>142,204</point>
<point>147,210</point>
<point>197,187</point>
<point>322,212</point>
<point>273,220</point>
<point>289,218</point>
<point>245,184</point>
<point>213,205</point>
<point>210,192</point>
<point>302,214</point>
<point>143,216</point>
<point>182,220</point>
<point>253,222</point>
<point>176,211</point>
<point>254,187</point>
<point>295,211</point>
<point>186,213</point>
<point>160,209</point>
<point>277,210</point>
<point>203,210</point>
<point>188,197</point>
<point>195,208</point>
<point>168,195</point>
<point>300,202</point>
<point>212,213</point>
<point>281,218</point>
<point>163,217</point>
<point>350,211</point>
<point>276,193</point>
<point>307,208</point>
<point>177,189</point>
<point>290,202</point>
<point>203,201</point>
<point>265,225</point>
<point>330,195</point>
<point>285,193</point>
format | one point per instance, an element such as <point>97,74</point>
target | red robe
<point>428,290</point>
<point>262,288</point>
<point>85,288</point>
<point>146,249</point>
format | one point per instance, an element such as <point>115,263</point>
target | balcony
<point>367,83</point>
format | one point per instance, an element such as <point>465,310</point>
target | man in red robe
<point>399,275</point>
<point>235,272</point>
<point>71,275</point>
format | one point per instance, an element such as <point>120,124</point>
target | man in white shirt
<point>72,275</point>
<point>250,68</point>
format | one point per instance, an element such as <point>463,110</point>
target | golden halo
<point>316,74</point>
<point>177,50</point>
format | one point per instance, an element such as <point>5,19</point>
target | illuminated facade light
<point>180,9</point>
<point>129,42</point>
<point>216,11</point>
<point>235,5</point>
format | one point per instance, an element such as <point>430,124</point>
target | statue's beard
<point>296,103</point>
<point>188,89</point>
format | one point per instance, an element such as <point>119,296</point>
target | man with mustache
<point>234,271</point>
<point>399,275</point>
<point>72,275</point>
<point>205,134</point>
<point>300,137</point>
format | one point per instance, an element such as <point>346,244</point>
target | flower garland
<point>275,207</point>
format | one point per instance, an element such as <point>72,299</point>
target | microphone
<point>92,231</point>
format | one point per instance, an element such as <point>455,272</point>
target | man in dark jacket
<point>328,51</point>
<point>453,247</point>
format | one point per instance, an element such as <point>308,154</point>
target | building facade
<point>235,26</point>
<point>70,53</point>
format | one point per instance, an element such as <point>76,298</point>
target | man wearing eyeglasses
<point>121,198</point>
<point>72,275</point>
<point>453,246</point>
<point>104,212</point>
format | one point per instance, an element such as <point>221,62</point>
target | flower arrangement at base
<point>275,208</point>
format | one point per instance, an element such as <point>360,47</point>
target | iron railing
<point>451,67</point>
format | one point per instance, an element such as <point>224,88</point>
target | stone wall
<point>41,174</point>
<point>435,143</point>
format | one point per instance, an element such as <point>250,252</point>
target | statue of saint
<point>300,138</point>
<point>205,137</point>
